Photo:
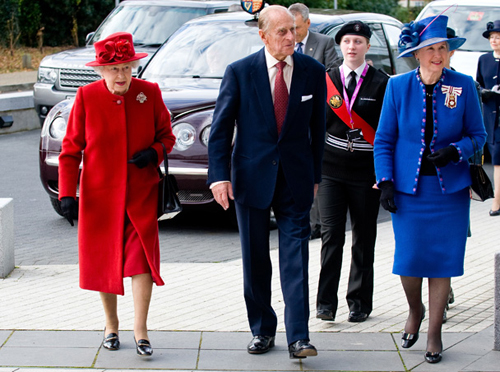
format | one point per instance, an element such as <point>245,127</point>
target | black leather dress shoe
<point>325,315</point>
<point>143,347</point>
<point>301,349</point>
<point>260,344</point>
<point>111,341</point>
<point>495,213</point>
<point>357,317</point>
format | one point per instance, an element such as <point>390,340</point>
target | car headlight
<point>47,75</point>
<point>58,128</point>
<point>205,134</point>
<point>185,134</point>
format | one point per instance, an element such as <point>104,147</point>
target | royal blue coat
<point>400,137</point>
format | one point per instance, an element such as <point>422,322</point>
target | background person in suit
<point>349,175</point>
<point>275,162</point>
<point>322,49</point>
<point>488,76</point>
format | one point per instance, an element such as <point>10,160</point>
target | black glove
<point>443,156</point>
<point>69,208</point>
<point>486,94</point>
<point>387,196</point>
<point>142,158</point>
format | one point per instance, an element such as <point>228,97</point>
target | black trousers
<point>335,198</point>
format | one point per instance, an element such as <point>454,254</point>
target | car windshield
<point>469,22</point>
<point>203,50</point>
<point>149,25</point>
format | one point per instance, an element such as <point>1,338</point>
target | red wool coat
<point>107,130</point>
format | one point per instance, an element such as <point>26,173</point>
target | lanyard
<point>350,103</point>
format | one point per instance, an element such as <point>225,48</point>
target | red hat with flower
<point>115,49</point>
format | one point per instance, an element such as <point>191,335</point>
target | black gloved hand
<point>486,94</point>
<point>69,208</point>
<point>443,156</point>
<point>142,158</point>
<point>387,196</point>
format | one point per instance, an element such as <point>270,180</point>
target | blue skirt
<point>430,230</point>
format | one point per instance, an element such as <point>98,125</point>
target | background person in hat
<point>119,123</point>
<point>348,175</point>
<point>488,76</point>
<point>424,139</point>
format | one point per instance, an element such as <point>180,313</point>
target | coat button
<point>119,102</point>
<point>274,162</point>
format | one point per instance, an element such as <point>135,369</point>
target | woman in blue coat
<point>488,76</point>
<point>429,120</point>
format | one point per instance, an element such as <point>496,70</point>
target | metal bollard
<point>6,237</point>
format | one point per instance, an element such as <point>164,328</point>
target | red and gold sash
<point>352,120</point>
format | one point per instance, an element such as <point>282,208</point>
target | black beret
<point>353,28</point>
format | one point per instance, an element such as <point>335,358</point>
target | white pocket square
<point>306,98</point>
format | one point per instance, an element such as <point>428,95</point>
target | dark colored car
<point>150,22</point>
<point>189,70</point>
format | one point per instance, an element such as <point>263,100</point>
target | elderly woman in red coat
<point>117,126</point>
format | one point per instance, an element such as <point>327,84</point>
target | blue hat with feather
<point>428,31</point>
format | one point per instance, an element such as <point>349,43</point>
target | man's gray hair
<point>301,9</point>
<point>265,14</point>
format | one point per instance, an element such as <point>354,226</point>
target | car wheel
<point>56,204</point>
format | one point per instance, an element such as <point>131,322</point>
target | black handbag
<point>481,188</point>
<point>169,205</point>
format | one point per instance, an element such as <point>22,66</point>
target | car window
<point>149,25</point>
<point>469,22</point>
<point>203,50</point>
<point>401,64</point>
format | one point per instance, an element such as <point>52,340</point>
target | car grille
<point>195,196</point>
<point>72,78</point>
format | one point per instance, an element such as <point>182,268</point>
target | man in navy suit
<point>275,163</point>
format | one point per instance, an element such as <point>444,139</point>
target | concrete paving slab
<point>476,344</point>
<point>353,341</point>
<point>127,358</point>
<point>47,357</point>
<point>239,360</point>
<point>56,339</point>
<point>488,362</point>
<point>4,335</point>
<point>233,340</point>
<point>354,361</point>
<point>171,340</point>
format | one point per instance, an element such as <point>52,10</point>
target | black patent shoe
<point>409,339</point>
<point>111,341</point>
<point>143,347</point>
<point>301,349</point>
<point>433,357</point>
<point>260,344</point>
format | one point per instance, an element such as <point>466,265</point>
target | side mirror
<point>89,36</point>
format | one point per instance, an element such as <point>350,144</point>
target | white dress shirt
<point>347,72</point>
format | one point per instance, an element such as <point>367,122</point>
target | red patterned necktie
<point>280,96</point>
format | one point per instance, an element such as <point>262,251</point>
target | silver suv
<point>150,22</point>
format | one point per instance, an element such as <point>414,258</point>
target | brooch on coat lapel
<point>335,101</point>
<point>452,94</point>
<point>141,97</point>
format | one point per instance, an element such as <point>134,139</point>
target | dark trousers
<point>294,230</point>
<point>336,197</point>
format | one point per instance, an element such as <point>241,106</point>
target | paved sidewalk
<point>198,319</point>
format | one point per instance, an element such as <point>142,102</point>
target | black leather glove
<point>142,158</point>
<point>69,208</point>
<point>387,196</point>
<point>486,94</point>
<point>443,156</point>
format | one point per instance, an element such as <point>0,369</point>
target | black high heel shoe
<point>143,347</point>
<point>111,341</point>
<point>434,357</point>
<point>409,339</point>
